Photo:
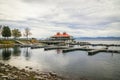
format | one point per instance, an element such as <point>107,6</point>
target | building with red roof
<point>62,37</point>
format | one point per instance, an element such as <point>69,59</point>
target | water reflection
<point>6,54</point>
<point>59,51</point>
<point>16,51</point>
<point>91,54</point>
<point>27,52</point>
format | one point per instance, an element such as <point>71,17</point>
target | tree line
<point>6,32</point>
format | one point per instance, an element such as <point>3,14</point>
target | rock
<point>7,70</point>
<point>11,78</point>
<point>53,74</point>
<point>14,76</point>
<point>45,76</point>
<point>38,78</point>
<point>6,65</point>
<point>4,77</point>
<point>26,66</point>
<point>1,74</point>
<point>30,68</point>
<point>27,74</point>
<point>14,67</point>
<point>23,70</point>
<point>2,67</point>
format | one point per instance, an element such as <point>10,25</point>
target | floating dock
<point>90,51</point>
<point>87,43</point>
<point>55,47</point>
<point>74,49</point>
<point>37,46</point>
<point>95,51</point>
<point>107,45</point>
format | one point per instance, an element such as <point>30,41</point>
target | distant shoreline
<point>97,38</point>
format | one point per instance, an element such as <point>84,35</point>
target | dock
<point>66,49</point>
<point>51,42</point>
<point>76,49</point>
<point>25,45</point>
<point>37,46</point>
<point>87,43</point>
<point>90,51</point>
<point>55,47</point>
<point>107,45</point>
<point>95,51</point>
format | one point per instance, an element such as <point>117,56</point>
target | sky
<point>79,18</point>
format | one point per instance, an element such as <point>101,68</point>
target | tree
<point>6,32</point>
<point>27,33</point>
<point>16,33</point>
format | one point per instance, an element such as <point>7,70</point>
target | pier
<point>37,46</point>
<point>76,49</point>
<point>66,49</point>
<point>51,42</point>
<point>55,47</point>
<point>96,51</point>
<point>90,51</point>
<point>87,43</point>
<point>107,45</point>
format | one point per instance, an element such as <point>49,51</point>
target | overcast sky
<point>86,18</point>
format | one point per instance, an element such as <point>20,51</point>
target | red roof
<point>61,35</point>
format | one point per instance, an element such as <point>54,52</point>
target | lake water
<point>77,64</point>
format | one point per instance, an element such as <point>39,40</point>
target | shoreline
<point>8,72</point>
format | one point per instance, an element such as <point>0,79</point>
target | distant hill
<point>106,38</point>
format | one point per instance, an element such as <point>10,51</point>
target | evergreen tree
<point>6,32</point>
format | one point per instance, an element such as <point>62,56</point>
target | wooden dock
<point>87,43</point>
<point>55,47</point>
<point>95,51</point>
<point>107,45</point>
<point>76,49</point>
<point>90,51</point>
<point>37,46</point>
<point>25,45</point>
<point>51,42</point>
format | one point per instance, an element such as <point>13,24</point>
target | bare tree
<point>27,33</point>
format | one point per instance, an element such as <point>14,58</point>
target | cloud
<point>77,17</point>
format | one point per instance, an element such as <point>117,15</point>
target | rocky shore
<point>8,72</point>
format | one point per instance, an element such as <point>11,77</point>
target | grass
<point>11,42</point>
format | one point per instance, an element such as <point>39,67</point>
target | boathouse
<point>62,37</point>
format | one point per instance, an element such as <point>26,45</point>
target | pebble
<point>38,77</point>
<point>8,72</point>
<point>4,77</point>
<point>30,68</point>
<point>26,66</point>
<point>1,74</point>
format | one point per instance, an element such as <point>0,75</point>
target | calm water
<point>101,66</point>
